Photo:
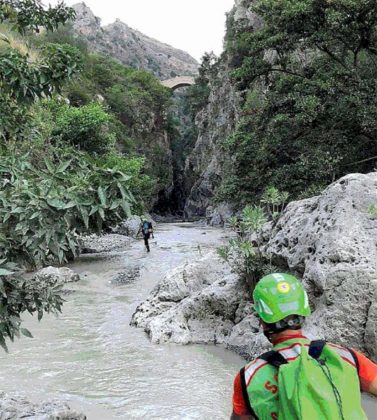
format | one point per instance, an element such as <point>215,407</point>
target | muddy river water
<point>91,358</point>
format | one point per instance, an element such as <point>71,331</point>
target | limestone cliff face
<point>132,47</point>
<point>203,169</point>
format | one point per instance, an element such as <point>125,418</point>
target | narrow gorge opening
<point>182,134</point>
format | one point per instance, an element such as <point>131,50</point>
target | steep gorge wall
<point>204,166</point>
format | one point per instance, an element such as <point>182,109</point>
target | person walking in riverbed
<point>146,228</point>
<point>298,379</point>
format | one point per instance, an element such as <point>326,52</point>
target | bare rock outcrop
<point>18,407</point>
<point>204,167</point>
<point>194,303</point>
<point>331,242</point>
<point>131,47</point>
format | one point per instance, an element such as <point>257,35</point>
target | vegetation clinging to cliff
<point>309,83</point>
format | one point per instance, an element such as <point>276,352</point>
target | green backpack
<point>319,384</point>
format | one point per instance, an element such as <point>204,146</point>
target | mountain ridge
<point>132,47</point>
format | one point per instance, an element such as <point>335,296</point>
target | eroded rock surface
<point>96,244</point>
<point>331,242</point>
<point>54,276</point>
<point>194,303</point>
<point>18,407</point>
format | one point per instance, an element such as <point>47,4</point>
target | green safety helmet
<point>278,296</point>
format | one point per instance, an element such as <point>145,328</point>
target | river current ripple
<point>91,358</point>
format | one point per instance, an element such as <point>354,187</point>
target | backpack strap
<point>274,358</point>
<point>316,348</point>
<point>246,395</point>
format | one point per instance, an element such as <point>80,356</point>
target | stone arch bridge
<point>178,82</point>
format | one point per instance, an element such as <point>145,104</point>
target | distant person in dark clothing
<point>146,228</point>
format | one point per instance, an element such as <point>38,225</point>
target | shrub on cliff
<point>87,128</point>
<point>245,252</point>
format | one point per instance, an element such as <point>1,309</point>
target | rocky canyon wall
<point>204,166</point>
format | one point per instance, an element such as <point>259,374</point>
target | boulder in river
<point>95,244</point>
<point>18,407</point>
<point>194,303</point>
<point>219,215</point>
<point>126,276</point>
<point>53,276</point>
<point>129,227</point>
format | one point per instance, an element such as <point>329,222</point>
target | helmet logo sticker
<point>284,287</point>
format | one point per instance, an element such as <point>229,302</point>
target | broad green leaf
<point>58,204</point>
<point>63,166</point>
<point>5,272</point>
<point>26,332</point>
<point>126,207</point>
<point>102,196</point>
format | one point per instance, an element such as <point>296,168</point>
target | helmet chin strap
<point>283,325</point>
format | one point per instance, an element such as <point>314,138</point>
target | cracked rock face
<point>331,242</point>
<point>194,303</point>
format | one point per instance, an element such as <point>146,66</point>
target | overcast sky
<point>195,26</point>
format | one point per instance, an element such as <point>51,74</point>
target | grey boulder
<point>195,303</point>
<point>54,276</point>
<point>18,407</point>
<point>330,241</point>
<point>98,244</point>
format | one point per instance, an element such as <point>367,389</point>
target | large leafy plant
<point>44,208</point>
<point>23,78</point>
<point>18,296</point>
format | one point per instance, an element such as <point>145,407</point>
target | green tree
<point>24,79</point>
<point>86,128</point>
<point>309,79</point>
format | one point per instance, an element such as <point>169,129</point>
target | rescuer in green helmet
<point>281,303</point>
<point>298,379</point>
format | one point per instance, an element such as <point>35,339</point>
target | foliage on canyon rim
<point>308,78</point>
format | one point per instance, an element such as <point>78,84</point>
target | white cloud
<point>195,26</point>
